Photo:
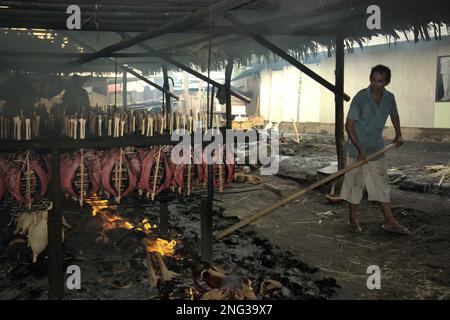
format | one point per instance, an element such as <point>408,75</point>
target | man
<point>76,98</point>
<point>366,119</point>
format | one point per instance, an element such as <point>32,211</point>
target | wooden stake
<point>109,127</point>
<point>100,126</point>
<point>166,274</point>
<point>296,131</point>
<point>119,189</point>
<point>81,178</point>
<point>27,129</point>
<point>143,127</point>
<point>38,125</point>
<point>152,277</point>
<point>122,127</point>
<point>151,126</point>
<point>155,179</point>
<point>189,179</point>
<point>75,128</point>
<point>28,180</point>
<point>82,128</point>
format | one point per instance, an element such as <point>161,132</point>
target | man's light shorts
<point>372,176</point>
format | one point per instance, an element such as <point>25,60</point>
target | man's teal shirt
<point>370,120</point>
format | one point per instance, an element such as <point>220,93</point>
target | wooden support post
<point>339,101</point>
<point>228,72</point>
<point>164,219</point>
<point>283,54</point>
<point>206,232</point>
<point>55,248</point>
<point>124,91</point>
<point>166,86</point>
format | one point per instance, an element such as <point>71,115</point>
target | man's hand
<point>398,141</point>
<point>362,156</point>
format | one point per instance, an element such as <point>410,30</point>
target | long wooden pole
<point>284,55</point>
<point>297,194</point>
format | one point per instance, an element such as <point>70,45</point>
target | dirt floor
<point>288,245</point>
<point>415,266</point>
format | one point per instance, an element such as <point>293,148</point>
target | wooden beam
<point>177,25</point>
<point>282,54</point>
<point>68,55</point>
<point>228,72</point>
<point>178,64</point>
<point>125,68</point>
<point>339,102</point>
<point>65,143</point>
<point>167,87</point>
<point>124,90</point>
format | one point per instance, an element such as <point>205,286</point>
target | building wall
<point>287,93</point>
<point>413,66</point>
<point>279,94</point>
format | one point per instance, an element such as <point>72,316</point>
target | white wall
<point>279,94</point>
<point>309,97</point>
<point>413,66</point>
<point>413,81</point>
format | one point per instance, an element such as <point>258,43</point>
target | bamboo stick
<point>38,125</point>
<point>151,126</point>
<point>296,131</point>
<point>109,127</point>
<point>119,189</point>
<point>27,129</point>
<point>100,126</point>
<point>297,194</point>
<point>158,157</point>
<point>28,180</point>
<point>81,178</point>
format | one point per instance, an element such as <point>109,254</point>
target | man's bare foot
<point>394,226</point>
<point>354,225</point>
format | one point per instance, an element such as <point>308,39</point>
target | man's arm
<point>349,126</point>
<point>398,140</point>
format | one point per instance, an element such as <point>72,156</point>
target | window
<point>443,79</point>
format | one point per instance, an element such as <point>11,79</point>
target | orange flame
<point>249,283</point>
<point>111,221</point>
<point>162,246</point>
<point>97,205</point>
